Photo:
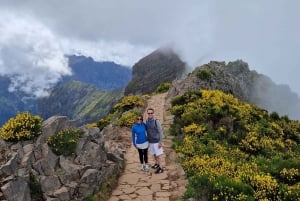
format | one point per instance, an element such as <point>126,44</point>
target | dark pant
<point>143,154</point>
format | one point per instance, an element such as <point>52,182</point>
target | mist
<point>37,34</point>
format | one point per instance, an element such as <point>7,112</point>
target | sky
<point>36,35</point>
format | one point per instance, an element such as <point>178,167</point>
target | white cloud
<point>30,55</point>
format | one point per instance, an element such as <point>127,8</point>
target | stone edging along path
<point>138,185</point>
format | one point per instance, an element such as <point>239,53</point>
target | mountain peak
<point>162,65</point>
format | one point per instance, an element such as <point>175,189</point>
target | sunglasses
<point>150,113</point>
<point>139,119</point>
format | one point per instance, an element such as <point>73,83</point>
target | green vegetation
<point>127,119</point>
<point>103,122</point>
<point>23,127</point>
<point>81,102</point>
<point>128,103</point>
<point>204,74</point>
<point>35,188</point>
<point>105,189</point>
<point>162,88</point>
<point>64,142</point>
<point>124,112</point>
<point>232,150</point>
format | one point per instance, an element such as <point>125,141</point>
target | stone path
<point>138,185</point>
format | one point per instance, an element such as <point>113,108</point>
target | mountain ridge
<point>106,77</point>
<point>236,78</point>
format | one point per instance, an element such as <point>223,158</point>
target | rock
<point>161,66</point>
<point>50,183</point>
<point>16,190</point>
<point>60,177</point>
<point>11,166</point>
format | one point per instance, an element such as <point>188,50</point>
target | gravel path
<point>138,185</point>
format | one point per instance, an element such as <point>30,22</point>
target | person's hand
<point>160,145</point>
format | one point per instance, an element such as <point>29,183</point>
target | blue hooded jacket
<point>138,133</point>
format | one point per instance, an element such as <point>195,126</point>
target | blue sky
<point>35,35</point>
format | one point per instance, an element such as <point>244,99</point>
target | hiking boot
<point>159,170</point>
<point>155,166</point>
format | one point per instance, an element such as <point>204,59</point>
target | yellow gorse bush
<point>265,187</point>
<point>23,127</point>
<point>223,137</point>
<point>127,119</point>
<point>290,174</point>
<point>194,129</point>
<point>129,102</point>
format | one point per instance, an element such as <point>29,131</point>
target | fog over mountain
<point>35,35</point>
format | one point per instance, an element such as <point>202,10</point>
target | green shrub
<point>204,75</point>
<point>64,142</point>
<point>35,188</point>
<point>164,87</point>
<point>104,121</point>
<point>228,189</point>
<point>289,193</point>
<point>24,127</point>
<point>199,186</point>
<point>220,188</point>
<point>127,119</point>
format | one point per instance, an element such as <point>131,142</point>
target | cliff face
<point>161,66</point>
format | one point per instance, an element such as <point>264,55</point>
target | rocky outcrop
<point>61,178</point>
<point>161,66</point>
<point>236,78</point>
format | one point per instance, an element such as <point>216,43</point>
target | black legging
<point>143,154</point>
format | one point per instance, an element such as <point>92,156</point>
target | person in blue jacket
<point>140,141</point>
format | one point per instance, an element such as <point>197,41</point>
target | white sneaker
<point>146,168</point>
<point>142,168</point>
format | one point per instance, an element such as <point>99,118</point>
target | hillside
<point>104,76</point>
<point>78,101</point>
<point>232,150</point>
<point>236,78</point>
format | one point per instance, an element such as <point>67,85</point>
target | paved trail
<point>138,185</point>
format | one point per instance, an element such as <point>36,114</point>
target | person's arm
<point>160,130</point>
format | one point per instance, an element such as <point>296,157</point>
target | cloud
<point>30,55</point>
<point>262,33</point>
